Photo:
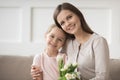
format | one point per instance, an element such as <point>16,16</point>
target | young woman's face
<point>69,21</point>
<point>55,38</point>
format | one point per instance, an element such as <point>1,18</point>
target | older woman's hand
<point>36,73</point>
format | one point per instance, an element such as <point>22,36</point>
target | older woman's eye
<point>69,17</point>
<point>62,23</point>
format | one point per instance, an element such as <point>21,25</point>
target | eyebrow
<point>58,36</point>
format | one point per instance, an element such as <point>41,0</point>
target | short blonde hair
<point>50,28</point>
<point>53,26</point>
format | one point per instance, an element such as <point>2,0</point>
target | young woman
<point>86,47</point>
<point>45,66</point>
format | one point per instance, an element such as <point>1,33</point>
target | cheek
<point>47,40</point>
<point>64,28</point>
<point>61,44</point>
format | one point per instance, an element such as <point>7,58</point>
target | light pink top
<point>92,57</point>
<point>48,65</point>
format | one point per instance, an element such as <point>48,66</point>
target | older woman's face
<point>69,21</point>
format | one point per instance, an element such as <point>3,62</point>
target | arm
<point>36,73</point>
<point>101,52</point>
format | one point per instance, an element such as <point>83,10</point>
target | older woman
<point>85,47</point>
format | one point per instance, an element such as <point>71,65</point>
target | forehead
<point>58,32</point>
<point>63,14</point>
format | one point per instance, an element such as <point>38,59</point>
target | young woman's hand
<point>36,73</point>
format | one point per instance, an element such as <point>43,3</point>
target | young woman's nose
<point>54,41</point>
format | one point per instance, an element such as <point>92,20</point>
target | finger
<point>34,78</point>
<point>33,67</point>
<point>35,72</point>
<point>37,75</point>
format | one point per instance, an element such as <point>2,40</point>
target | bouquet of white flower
<point>67,71</point>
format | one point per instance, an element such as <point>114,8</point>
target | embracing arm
<point>101,52</point>
<point>36,71</point>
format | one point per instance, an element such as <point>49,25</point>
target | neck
<point>51,53</point>
<point>82,37</point>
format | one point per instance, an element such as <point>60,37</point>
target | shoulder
<point>97,37</point>
<point>38,56</point>
<point>99,40</point>
<point>62,54</point>
<point>70,42</point>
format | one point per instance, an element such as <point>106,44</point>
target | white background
<point>24,22</point>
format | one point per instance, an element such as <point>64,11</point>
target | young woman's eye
<point>60,40</point>
<point>51,36</point>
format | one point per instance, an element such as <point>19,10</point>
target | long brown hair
<point>68,6</point>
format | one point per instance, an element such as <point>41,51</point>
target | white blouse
<point>92,57</point>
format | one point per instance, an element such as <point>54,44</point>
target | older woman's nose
<point>67,23</point>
